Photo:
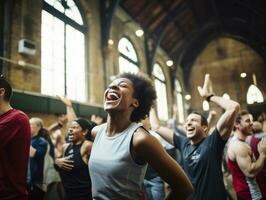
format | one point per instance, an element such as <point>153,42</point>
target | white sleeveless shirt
<point>114,173</point>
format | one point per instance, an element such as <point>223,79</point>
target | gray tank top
<point>114,173</point>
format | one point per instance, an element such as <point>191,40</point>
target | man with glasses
<point>15,137</point>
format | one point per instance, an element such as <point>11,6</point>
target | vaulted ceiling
<point>185,27</point>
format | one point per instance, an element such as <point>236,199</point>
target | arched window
<point>160,87</point>
<point>63,50</point>
<point>179,103</point>
<point>254,95</point>
<point>128,60</point>
<point>205,105</point>
<point>226,96</point>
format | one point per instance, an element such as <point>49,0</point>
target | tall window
<point>179,103</point>
<point>160,87</point>
<point>128,60</point>
<point>254,95</point>
<point>63,50</point>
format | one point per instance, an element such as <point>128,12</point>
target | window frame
<point>136,63</point>
<point>177,102</point>
<point>50,9</point>
<point>163,82</point>
<point>83,29</point>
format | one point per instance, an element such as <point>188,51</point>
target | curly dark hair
<point>144,92</point>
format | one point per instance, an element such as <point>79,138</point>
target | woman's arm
<point>148,149</point>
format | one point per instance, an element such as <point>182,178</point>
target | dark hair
<point>8,89</point>
<point>85,125</point>
<point>203,119</point>
<point>240,114</point>
<point>144,92</point>
<point>239,117</point>
<point>262,117</point>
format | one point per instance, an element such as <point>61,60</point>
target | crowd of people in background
<point>131,155</point>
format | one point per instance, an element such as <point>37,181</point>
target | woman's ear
<point>135,103</point>
<point>85,132</point>
<point>2,92</point>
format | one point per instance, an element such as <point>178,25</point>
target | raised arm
<point>211,117</point>
<point>226,122</point>
<point>150,150</point>
<point>71,115</point>
<point>164,132</point>
<point>62,120</point>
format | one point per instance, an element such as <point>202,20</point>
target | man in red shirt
<point>15,140</point>
<point>241,163</point>
<point>254,141</point>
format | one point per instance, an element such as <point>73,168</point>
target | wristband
<point>209,97</point>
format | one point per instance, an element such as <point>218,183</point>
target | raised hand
<point>65,100</point>
<point>206,90</point>
<point>62,119</point>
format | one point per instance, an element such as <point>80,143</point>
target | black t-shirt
<point>76,182</point>
<point>202,164</point>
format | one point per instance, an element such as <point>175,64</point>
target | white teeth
<point>112,96</point>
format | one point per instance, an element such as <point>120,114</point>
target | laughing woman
<point>122,148</point>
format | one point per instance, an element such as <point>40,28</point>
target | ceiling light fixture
<point>188,97</point>
<point>139,32</point>
<point>169,63</point>
<point>243,75</point>
<point>110,42</point>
